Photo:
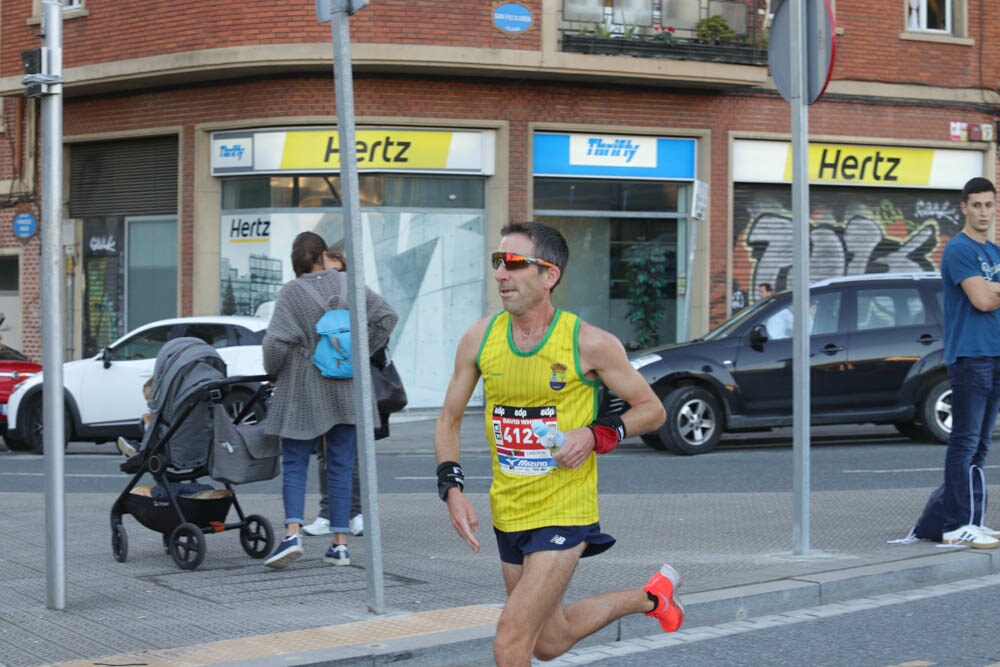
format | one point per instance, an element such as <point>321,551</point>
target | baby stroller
<point>192,434</point>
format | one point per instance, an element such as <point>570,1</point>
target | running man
<point>542,368</point>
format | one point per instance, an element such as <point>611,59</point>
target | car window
<point>246,337</point>
<point>824,315</point>
<point>886,308</point>
<point>144,345</point>
<point>781,324</point>
<point>213,334</point>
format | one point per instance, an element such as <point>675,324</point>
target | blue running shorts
<point>513,546</point>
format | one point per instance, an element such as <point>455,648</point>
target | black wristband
<point>449,476</point>
<point>612,421</point>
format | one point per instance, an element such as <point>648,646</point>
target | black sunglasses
<point>513,261</point>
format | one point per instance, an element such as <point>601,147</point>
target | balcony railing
<point>644,46</point>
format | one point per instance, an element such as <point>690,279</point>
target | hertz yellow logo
<point>866,165</point>
<point>375,149</point>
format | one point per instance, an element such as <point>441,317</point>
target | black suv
<point>876,351</point>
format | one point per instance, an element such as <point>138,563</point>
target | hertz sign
<point>381,149</point>
<point>764,161</point>
<point>867,165</point>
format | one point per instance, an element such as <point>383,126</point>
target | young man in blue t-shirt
<point>970,271</point>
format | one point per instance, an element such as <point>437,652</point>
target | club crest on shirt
<point>558,379</point>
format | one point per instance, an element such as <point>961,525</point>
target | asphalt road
<point>941,626</point>
<point>852,461</point>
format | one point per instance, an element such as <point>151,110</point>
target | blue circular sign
<point>25,225</point>
<point>512,17</point>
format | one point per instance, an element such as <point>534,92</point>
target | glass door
<point>151,270</point>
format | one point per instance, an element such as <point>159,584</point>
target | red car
<point>15,368</point>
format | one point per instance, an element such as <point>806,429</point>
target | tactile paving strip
<point>348,634</point>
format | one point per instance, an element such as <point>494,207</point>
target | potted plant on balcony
<point>714,30</point>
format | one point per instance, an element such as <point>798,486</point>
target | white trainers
<point>320,526</point>
<point>989,531</point>
<point>125,447</point>
<point>357,525</point>
<point>970,536</point>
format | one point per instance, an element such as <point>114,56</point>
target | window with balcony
<point>709,30</point>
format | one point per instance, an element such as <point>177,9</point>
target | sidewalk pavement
<point>442,601</point>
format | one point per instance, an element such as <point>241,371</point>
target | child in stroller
<point>128,447</point>
<point>190,435</point>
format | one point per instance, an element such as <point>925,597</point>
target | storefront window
<point>626,253</point>
<point>395,190</point>
<point>424,247</point>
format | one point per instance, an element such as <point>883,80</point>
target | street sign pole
<point>337,12</point>
<point>51,270</point>
<point>801,53</point>
<point>800,276</point>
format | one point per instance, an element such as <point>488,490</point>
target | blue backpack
<point>333,351</point>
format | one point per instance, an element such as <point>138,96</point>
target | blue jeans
<point>341,450</point>
<point>975,400</point>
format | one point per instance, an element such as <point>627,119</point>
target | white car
<point>104,393</point>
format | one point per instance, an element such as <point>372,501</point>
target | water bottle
<point>548,434</point>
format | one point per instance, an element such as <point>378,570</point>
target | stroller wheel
<point>166,542</point>
<point>119,542</point>
<point>257,536</point>
<point>187,546</point>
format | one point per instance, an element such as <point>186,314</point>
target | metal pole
<point>344,88</point>
<point>51,297</point>
<point>800,276</point>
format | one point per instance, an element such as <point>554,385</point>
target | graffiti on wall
<point>851,231</point>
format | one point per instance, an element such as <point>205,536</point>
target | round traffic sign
<point>25,225</point>
<point>820,40</point>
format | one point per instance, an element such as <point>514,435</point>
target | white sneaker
<point>970,536</point>
<point>357,525</point>
<point>989,531</point>
<point>320,526</point>
<point>125,447</point>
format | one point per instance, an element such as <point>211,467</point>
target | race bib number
<point>519,450</point>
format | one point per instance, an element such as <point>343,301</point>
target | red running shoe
<point>669,611</point>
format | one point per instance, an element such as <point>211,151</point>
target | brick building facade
<point>181,123</point>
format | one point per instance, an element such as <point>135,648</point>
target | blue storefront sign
<point>613,156</point>
<point>25,225</point>
<point>512,17</point>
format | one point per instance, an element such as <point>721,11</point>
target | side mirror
<point>106,357</point>
<point>758,335</point>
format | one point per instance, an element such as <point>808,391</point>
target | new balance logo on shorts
<point>558,539</point>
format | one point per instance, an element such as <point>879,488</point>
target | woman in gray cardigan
<point>307,406</point>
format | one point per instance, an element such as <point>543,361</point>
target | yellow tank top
<point>529,489</point>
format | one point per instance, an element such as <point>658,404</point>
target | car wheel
<point>237,399</point>
<point>935,411</point>
<point>34,429</point>
<point>694,421</point>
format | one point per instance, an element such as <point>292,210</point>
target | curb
<point>473,646</point>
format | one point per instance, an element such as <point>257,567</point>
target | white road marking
<point>898,470</point>
<point>591,654</point>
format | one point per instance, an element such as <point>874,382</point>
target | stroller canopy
<point>183,367</point>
